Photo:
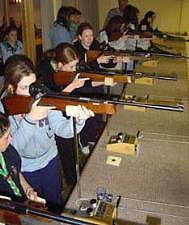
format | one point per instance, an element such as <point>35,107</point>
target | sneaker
<point>85,150</point>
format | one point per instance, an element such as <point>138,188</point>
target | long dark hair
<point>65,53</point>
<point>10,29</point>
<point>130,15</point>
<point>74,11</point>
<point>148,15</point>
<point>62,17</point>
<point>82,27</point>
<point>114,25</point>
<point>4,124</point>
<point>16,68</point>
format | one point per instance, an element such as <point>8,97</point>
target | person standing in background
<point>116,11</point>
<point>147,23</point>
<point>60,31</point>
<point>74,21</point>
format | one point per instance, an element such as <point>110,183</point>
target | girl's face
<point>23,85</point>
<point>122,4</point>
<point>69,67</point>
<point>137,15</point>
<point>75,18</point>
<point>86,38</point>
<point>5,140</point>
<point>151,19</point>
<point>12,36</point>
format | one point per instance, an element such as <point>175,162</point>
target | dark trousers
<point>92,129</point>
<point>66,152</point>
<point>48,184</point>
<point>90,133</point>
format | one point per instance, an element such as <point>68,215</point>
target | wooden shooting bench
<point>154,181</point>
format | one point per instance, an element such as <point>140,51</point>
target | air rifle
<point>168,35</point>
<point>7,206</point>
<point>152,103</point>
<point>133,76</point>
<point>139,55</point>
<point>65,78</point>
<point>16,104</point>
<point>126,55</point>
<point>145,34</point>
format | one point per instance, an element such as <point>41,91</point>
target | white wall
<point>172,15</point>
<point>90,13</point>
<point>184,18</point>
<point>103,7</point>
<point>168,11</point>
<point>48,16</point>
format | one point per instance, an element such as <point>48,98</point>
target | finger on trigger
<point>77,75</point>
<point>86,78</point>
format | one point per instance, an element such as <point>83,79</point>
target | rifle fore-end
<point>64,78</point>
<point>9,217</point>
<point>94,54</point>
<point>16,104</point>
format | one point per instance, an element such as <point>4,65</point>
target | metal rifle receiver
<point>37,90</point>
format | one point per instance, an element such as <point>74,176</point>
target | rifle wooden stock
<point>115,36</point>
<point>94,54</point>
<point>141,34</point>
<point>17,104</point>
<point>64,78</point>
<point>138,75</point>
<point>134,55</point>
<point>9,218</point>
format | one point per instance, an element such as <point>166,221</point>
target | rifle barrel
<point>115,101</point>
<point>152,104</point>
<point>160,77</point>
<point>133,55</point>
<point>178,108</point>
<point>154,76</point>
<point>148,54</point>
